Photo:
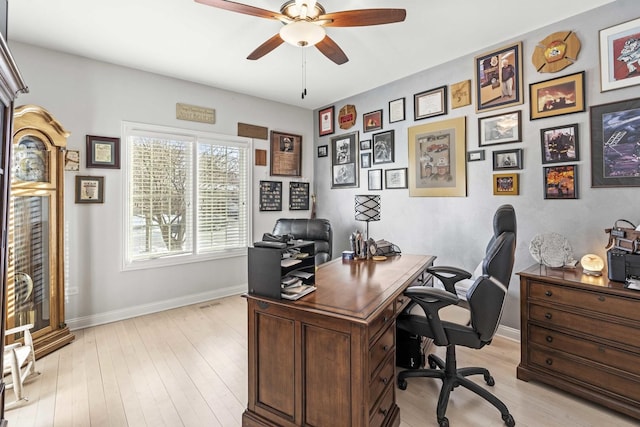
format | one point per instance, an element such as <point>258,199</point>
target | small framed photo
<point>395,178</point>
<point>506,184</point>
<point>507,159</point>
<point>561,182</point>
<point>396,110</point>
<point>89,189</point>
<point>103,152</point>
<point>619,46</point>
<point>72,160</point>
<point>383,147</point>
<point>286,154</point>
<point>365,144</point>
<point>461,94</point>
<point>559,144</point>
<point>345,160</point>
<point>323,151</point>
<point>474,156</point>
<point>372,121</point>
<point>365,160</point>
<point>556,97</point>
<point>498,76</point>
<point>375,179</point>
<point>430,103</point>
<point>500,129</point>
<point>326,120</point>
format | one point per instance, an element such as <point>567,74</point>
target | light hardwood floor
<point>187,367</point>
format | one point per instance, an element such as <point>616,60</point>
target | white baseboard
<point>508,332</point>
<point>129,312</point>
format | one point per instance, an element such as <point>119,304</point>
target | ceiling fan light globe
<point>302,33</point>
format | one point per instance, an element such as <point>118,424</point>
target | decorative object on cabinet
<point>368,209</point>
<point>372,121</point>
<point>556,52</point>
<point>430,103</point>
<point>552,250</point>
<point>615,144</point>
<point>375,179</point>
<point>396,110</point>
<point>556,97</point>
<point>395,178</point>
<point>620,55</point>
<point>560,144</point>
<point>72,160</point>
<point>344,160</point>
<point>270,196</point>
<point>506,184</point>
<point>560,182</point>
<point>323,151</point>
<point>499,78</point>
<point>326,120</point>
<point>89,189</point>
<point>475,155</point>
<point>347,116</point>
<point>286,154</point>
<point>384,147</point>
<point>36,242</point>
<point>298,196</point>
<point>500,128</point>
<point>103,152</point>
<point>592,265</point>
<point>507,159</point>
<point>365,160</point>
<point>437,153</point>
<point>460,94</point>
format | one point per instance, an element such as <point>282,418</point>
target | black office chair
<point>484,301</point>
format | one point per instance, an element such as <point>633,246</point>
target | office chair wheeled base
<point>451,378</point>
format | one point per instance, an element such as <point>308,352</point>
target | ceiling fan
<point>304,22</point>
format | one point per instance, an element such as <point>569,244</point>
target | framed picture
<point>383,147</point>
<point>615,144</point>
<point>561,182</point>
<point>559,144</point>
<point>461,94</point>
<point>298,196</point>
<point>395,178</point>
<point>430,103</point>
<point>344,160</point>
<point>555,97</point>
<point>375,179</point>
<point>89,189</point>
<point>474,156</point>
<point>365,160</point>
<point>506,184</point>
<point>498,77</point>
<point>507,159</point>
<point>326,121</point>
<point>103,152</point>
<point>270,196</point>
<point>619,46</point>
<point>396,110</point>
<point>323,151</point>
<point>286,154</point>
<point>500,129</point>
<point>372,121</point>
<point>437,153</point>
<point>72,160</point>
<point>365,145</point>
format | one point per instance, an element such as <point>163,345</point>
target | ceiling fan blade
<point>245,9</point>
<point>266,47</point>
<point>363,17</point>
<point>331,50</point>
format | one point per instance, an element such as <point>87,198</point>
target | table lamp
<point>367,209</point>
<point>592,265</point>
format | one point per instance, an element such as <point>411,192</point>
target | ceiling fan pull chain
<point>304,73</point>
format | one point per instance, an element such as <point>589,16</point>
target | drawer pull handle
<point>383,411</point>
<point>385,319</point>
<point>548,293</point>
<point>548,316</point>
<point>549,338</point>
<point>549,362</point>
<point>601,349</point>
<point>385,347</point>
<point>384,380</point>
<point>601,298</point>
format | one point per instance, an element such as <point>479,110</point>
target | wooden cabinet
<point>582,334</point>
<point>328,359</point>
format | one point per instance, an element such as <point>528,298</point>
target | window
<point>187,195</point>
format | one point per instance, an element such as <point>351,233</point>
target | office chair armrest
<point>431,300</point>
<point>449,276</point>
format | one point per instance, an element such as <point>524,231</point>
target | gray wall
<point>457,229</point>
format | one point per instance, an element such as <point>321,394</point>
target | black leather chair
<point>484,301</point>
<point>316,230</point>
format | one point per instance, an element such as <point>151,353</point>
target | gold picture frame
<point>557,96</point>
<point>506,184</point>
<point>437,159</point>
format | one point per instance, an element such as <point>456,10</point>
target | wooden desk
<point>582,334</point>
<point>328,359</point>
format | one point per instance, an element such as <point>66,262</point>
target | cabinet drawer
<point>623,360</point>
<point>381,321</point>
<point>380,349</point>
<point>380,381</point>
<point>551,317</point>
<point>382,409</point>
<point>608,304</point>
<point>401,302</point>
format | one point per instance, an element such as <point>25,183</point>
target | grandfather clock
<point>35,273</point>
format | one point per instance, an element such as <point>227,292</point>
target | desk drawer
<point>381,321</point>
<point>380,349</point>
<point>383,408</point>
<point>380,382</point>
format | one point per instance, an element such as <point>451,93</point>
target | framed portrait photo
<point>326,121</point>
<point>430,103</point>
<point>286,154</point>
<point>103,152</point>
<point>374,178</point>
<point>507,159</point>
<point>372,121</point>
<point>396,110</point>
<point>344,160</point>
<point>619,46</point>
<point>615,144</point>
<point>506,184</point>
<point>560,182</point>
<point>558,96</point>
<point>395,178</point>
<point>498,76</point>
<point>559,144</point>
<point>500,128</point>
<point>89,189</point>
<point>383,147</point>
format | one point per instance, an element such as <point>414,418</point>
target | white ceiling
<point>195,42</point>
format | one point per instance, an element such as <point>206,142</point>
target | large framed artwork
<point>619,55</point>
<point>615,144</point>
<point>556,97</point>
<point>344,160</point>
<point>437,159</point>
<point>498,76</point>
<point>286,154</point>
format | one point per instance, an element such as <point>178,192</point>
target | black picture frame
<point>365,144</point>
<point>560,182</point>
<point>503,128</point>
<point>365,160</point>
<point>490,89</point>
<point>270,196</point>
<point>103,152</point>
<point>374,180</point>
<point>507,159</point>
<point>475,155</point>
<point>298,196</point>
<point>323,151</point>
<point>345,159</point>
<point>560,144</point>
<point>395,178</point>
<point>397,110</point>
<point>557,96</point>
<point>384,147</point>
<point>430,103</point>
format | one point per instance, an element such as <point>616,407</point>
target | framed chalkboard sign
<point>299,196</point>
<point>270,195</point>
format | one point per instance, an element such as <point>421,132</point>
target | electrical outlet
<point>73,291</point>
